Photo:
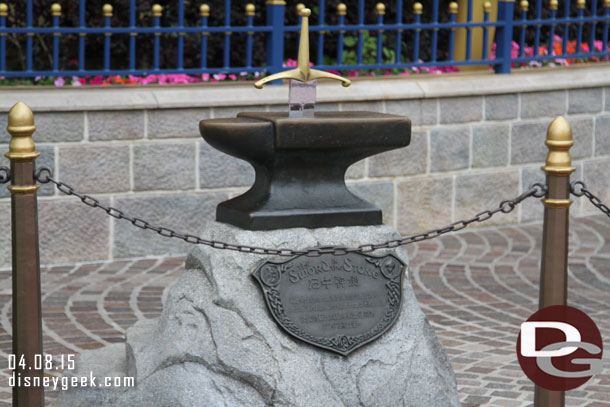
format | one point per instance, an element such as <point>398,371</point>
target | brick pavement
<point>476,287</point>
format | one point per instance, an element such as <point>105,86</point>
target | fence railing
<point>415,37</point>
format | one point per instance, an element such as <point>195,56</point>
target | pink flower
<point>233,77</point>
<point>60,81</point>
<point>220,76</point>
<point>205,77</point>
<point>97,80</point>
<point>76,81</point>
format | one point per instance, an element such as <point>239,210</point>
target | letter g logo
<point>555,344</point>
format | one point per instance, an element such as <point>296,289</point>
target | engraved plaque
<point>338,303</point>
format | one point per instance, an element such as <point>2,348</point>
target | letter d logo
<point>559,348</point>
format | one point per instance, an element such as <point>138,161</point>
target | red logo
<point>559,348</point>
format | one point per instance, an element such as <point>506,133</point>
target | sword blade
<point>302,98</point>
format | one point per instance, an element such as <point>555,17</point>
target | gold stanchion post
<point>554,268</point>
<point>27,317</point>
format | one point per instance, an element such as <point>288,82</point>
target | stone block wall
<point>468,152</point>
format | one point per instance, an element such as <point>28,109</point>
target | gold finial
<point>453,8</point>
<point>380,9</point>
<point>204,10</point>
<point>417,8</point>
<point>56,9</point>
<point>107,9</point>
<point>524,5</point>
<point>250,9</point>
<point>21,127</point>
<point>300,7</point>
<point>580,3</point>
<point>606,3</point>
<point>487,7</point>
<point>554,5</point>
<point>157,9</point>
<point>559,141</point>
<point>3,10</point>
<point>303,71</point>
<point>342,9</point>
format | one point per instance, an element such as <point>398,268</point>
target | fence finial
<point>580,3</point>
<point>487,7</point>
<point>342,9</point>
<point>300,7</point>
<point>250,9</point>
<point>204,10</point>
<point>417,8</point>
<point>559,141</point>
<point>453,8</point>
<point>107,10</point>
<point>157,10</point>
<point>21,127</point>
<point>554,5</point>
<point>3,10</point>
<point>606,3</point>
<point>524,5</point>
<point>380,9</point>
<point>56,10</point>
<point>303,71</point>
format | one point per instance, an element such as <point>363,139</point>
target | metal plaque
<point>338,303</point>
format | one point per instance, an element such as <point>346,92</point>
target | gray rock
<point>449,148</point>
<point>501,107</point>
<point>543,104</point>
<point>420,111</point>
<point>588,100</point>
<point>125,125</point>
<point>411,159</point>
<point>461,109</point>
<point>216,345</point>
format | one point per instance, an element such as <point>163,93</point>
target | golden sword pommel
<point>303,72</point>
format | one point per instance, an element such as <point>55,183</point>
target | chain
<point>44,175</point>
<point>578,188</point>
<point>5,175</point>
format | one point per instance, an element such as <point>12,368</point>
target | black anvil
<point>300,166</point>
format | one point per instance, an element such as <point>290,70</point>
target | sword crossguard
<point>303,72</point>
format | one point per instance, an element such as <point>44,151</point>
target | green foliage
<point>369,50</point>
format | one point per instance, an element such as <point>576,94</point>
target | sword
<point>303,79</point>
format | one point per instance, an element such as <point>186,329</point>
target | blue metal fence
<point>405,31</point>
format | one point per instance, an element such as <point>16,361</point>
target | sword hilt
<point>303,72</point>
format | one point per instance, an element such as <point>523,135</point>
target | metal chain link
<point>44,175</point>
<point>578,188</point>
<point>5,175</point>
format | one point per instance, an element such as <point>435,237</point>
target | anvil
<point>300,166</point>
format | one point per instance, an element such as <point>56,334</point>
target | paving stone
<point>126,125</point>
<point>527,142</point>
<point>45,159</point>
<point>478,192</point>
<point>71,231</point>
<point>420,111</point>
<point>217,169</point>
<point>232,111</point>
<point>490,145</point>
<point>5,236</point>
<point>587,100</point>
<point>602,135</point>
<point>597,181</point>
<point>582,134</point>
<point>175,123</point>
<point>423,204</point>
<point>501,107</point>
<point>411,159</point>
<point>187,213</point>
<point>380,194</point>
<point>90,168</point>
<point>369,106</point>
<point>449,148</point>
<point>164,166</point>
<point>461,109</point>
<point>356,170</point>
<point>607,99</point>
<point>543,104</point>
